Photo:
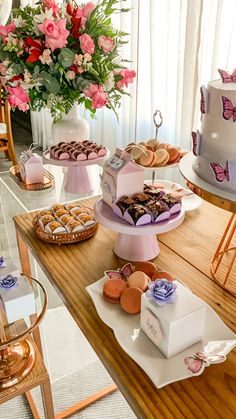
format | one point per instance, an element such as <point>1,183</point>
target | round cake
<point>215,146</point>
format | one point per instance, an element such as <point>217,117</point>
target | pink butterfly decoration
<point>226,77</point>
<point>200,360</point>
<point>122,273</point>
<point>196,137</point>
<point>204,99</point>
<point>229,110</point>
<point>220,173</point>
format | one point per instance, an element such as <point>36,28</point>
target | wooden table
<point>185,252</point>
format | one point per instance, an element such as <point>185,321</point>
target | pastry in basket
<point>45,219</point>
<point>73,206</point>
<point>54,227</point>
<point>44,212</point>
<point>121,205</point>
<point>160,210</point>
<point>173,203</point>
<point>88,220</point>
<point>65,218</point>
<point>55,207</point>
<point>61,211</point>
<point>73,226</point>
<point>138,215</point>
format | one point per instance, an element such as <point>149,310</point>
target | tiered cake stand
<point>77,177</point>
<point>135,243</point>
<point>222,265</point>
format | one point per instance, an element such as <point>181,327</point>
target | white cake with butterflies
<point>214,147</point>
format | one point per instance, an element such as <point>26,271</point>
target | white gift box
<point>10,268</point>
<point>174,327</point>
<point>18,301</point>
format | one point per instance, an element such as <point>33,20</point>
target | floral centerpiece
<point>53,56</point>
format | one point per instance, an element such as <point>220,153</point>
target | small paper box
<point>174,327</point>
<point>18,301</point>
<point>10,268</point>
<point>121,176</point>
<point>31,168</point>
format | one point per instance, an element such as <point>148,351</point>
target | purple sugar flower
<point>8,281</point>
<point>162,291</point>
<point>2,262</point>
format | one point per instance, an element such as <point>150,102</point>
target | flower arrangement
<point>162,291</point>
<point>53,56</point>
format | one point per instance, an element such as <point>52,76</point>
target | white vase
<point>71,127</point>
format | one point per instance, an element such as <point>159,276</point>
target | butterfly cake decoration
<point>122,273</point>
<point>227,77</point>
<point>204,99</point>
<point>229,110</point>
<point>200,360</point>
<point>221,174</point>
<point>196,138</point>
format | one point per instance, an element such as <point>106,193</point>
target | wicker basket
<point>66,238</point>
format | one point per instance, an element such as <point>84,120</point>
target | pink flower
<point>128,76</point>
<point>50,4</point>
<point>97,94</point>
<point>87,44</point>
<point>106,43</point>
<point>56,33</point>
<point>87,9</point>
<point>3,69</point>
<point>5,30</point>
<point>18,98</point>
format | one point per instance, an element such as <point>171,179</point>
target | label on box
<point>152,327</point>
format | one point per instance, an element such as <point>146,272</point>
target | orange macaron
<point>163,275</point>
<point>130,300</point>
<point>138,279</point>
<point>173,154</point>
<point>149,268</point>
<point>112,289</point>
<point>146,158</point>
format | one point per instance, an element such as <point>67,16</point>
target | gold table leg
<point>222,265</point>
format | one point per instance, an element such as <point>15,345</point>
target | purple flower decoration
<point>8,281</point>
<point>162,291</point>
<point>2,262</point>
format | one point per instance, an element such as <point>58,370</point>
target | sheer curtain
<point>175,46</point>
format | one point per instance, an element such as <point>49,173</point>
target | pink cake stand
<point>135,243</point>
<point>77,176</point>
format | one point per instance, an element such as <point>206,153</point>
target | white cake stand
<point>77,177</point>
<point>135,243</point>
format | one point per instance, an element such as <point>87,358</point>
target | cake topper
<point>229,110</point>
<point>220,173</point>
<point>158,120</point>
<point>226,77</point>
<point>196,138</point>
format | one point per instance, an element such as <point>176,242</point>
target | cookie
<point>162,275</point>
<point>147,158</point>
<point>173,154</point>
<point>161,156</point>
<point>130,300</point>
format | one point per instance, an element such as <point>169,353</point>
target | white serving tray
<point>218,341</point>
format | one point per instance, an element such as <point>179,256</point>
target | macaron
<point>136,152</point>
<point>147,158</point>
<point>148,268</point>
<point>163,275</point>
<point>130,300</point>
<point>153,143</point>
<point>138,279</point>
<point>161,156</point>
<point>162,145</point>
<point>173,154</point>
<point>112,289</point>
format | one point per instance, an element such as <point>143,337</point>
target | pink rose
<point>50,4</point>
<point>55,33</point>
<point>97,94</point>
<point>128,76</point>
<point>106,43</point>
<point>87,9</point>
<point>5,30</point>
<point>86,44</point>
<point>18,98</point>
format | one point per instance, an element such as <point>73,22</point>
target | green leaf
<point>49,82</point>
<point>66,57</point>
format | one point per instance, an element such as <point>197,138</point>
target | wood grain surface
<point>186,252</point>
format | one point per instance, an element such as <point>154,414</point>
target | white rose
<point>109,83</point>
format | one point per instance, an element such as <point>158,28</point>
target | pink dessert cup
<point>144,219</point>
<point>92,155</point>
<point>162,217</point>
<point>102,152</point>
<point>63,156</point>
<point>176,208</point>
<point>117,211</point>
<point>81,157</point>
